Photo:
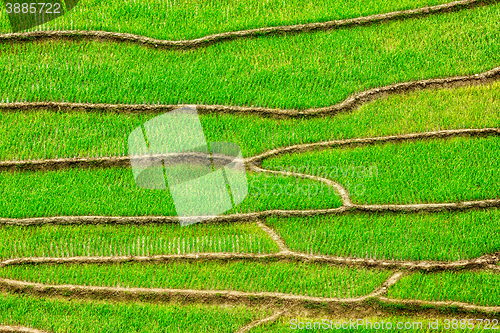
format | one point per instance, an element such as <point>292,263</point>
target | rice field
<point>455,170</point>
<point>290,278</point>
<point>291,71</point>
<point>474,287</point>
<point>441,236</point>
<point>186,19</point>
<point>50,133</point>
<point>113,192</point>
<point>80,316</point>
<point>131,240</point>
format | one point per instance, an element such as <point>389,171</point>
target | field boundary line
<point>256,323</point>
<point>248,33</point>
<point>441,134</point>
<point>283,248</point>
<point>346,207</point>
<point>487,262</point>
<point>10,284</point>
<point>19,329</point>
<point>169,293</point>
<point>382,290</point>
<point>251,217</point>
<point>350,103</point>
<point>464,307</point>
<point>114,161</point>
<point>340,190</point>
<point>273,299</point>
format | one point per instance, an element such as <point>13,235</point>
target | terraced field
<point>369,131</point>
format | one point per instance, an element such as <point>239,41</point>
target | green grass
<point>440,236</point>
<point>113,192</point>
<point>50,134</point>
<point>131,240</point>
<point>187,19</point>
<point>290,278</point>
<point>292,71</point>
<point>77,316</point>
<point>480,287</point>
<point>458,169</point>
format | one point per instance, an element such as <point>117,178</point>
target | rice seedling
<point>458,169</point>
<point>291,71</point>
<point>290,278</point>
<point>442,236</point>
<point>191,19</point>
<point>479,287</point>
<point>131,240</point>
<point>78,316</point>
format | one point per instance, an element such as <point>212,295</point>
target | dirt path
<point>19,329</point>
<point>340,190</point>
<point>347,205</point>
<point>124,161</point>
<point>442,134</point>
<point>250,217</point>
<point>226,36</point>
<point>261,322</point>
<point>274,236</point>
<point>182,294</point>
<point>361,304</point>
<point>486,262</point>
<point>348,104</point>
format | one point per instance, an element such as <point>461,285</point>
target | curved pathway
<point>273,299</point>
<point>19,329</point>
<point>486,262</point>
<point>226,36</point>
<point>346,105</point>
<point>347,205</point>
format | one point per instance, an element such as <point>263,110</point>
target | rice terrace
<point>346,156</point>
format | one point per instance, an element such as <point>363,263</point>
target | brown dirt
<point>442,134</point>
<point>120,161</point>
<point>486,262</point>
<point>19,329</point>
<point>226,36</point>
<point>164,294</point>
<point>375,302</point>
<point>261,322</point>
<point>274,236</point>
<point>109,162</point>
<point>251,217</point>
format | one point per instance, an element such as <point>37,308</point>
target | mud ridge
<point>125,161</point>
<point>454,306</point>
<point>273,235</point>
<point>441,134</point>
<point>361,304</point>
<point>251,217</point>
<point>116,161</point>
<point>19,329</point>
<point>348,104</point>
<point>249,33</point>
<point>487,262</point>
<point>261,322</point>
<point>180,295</point>
<point>340,190</point>
<point>347,205</point>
